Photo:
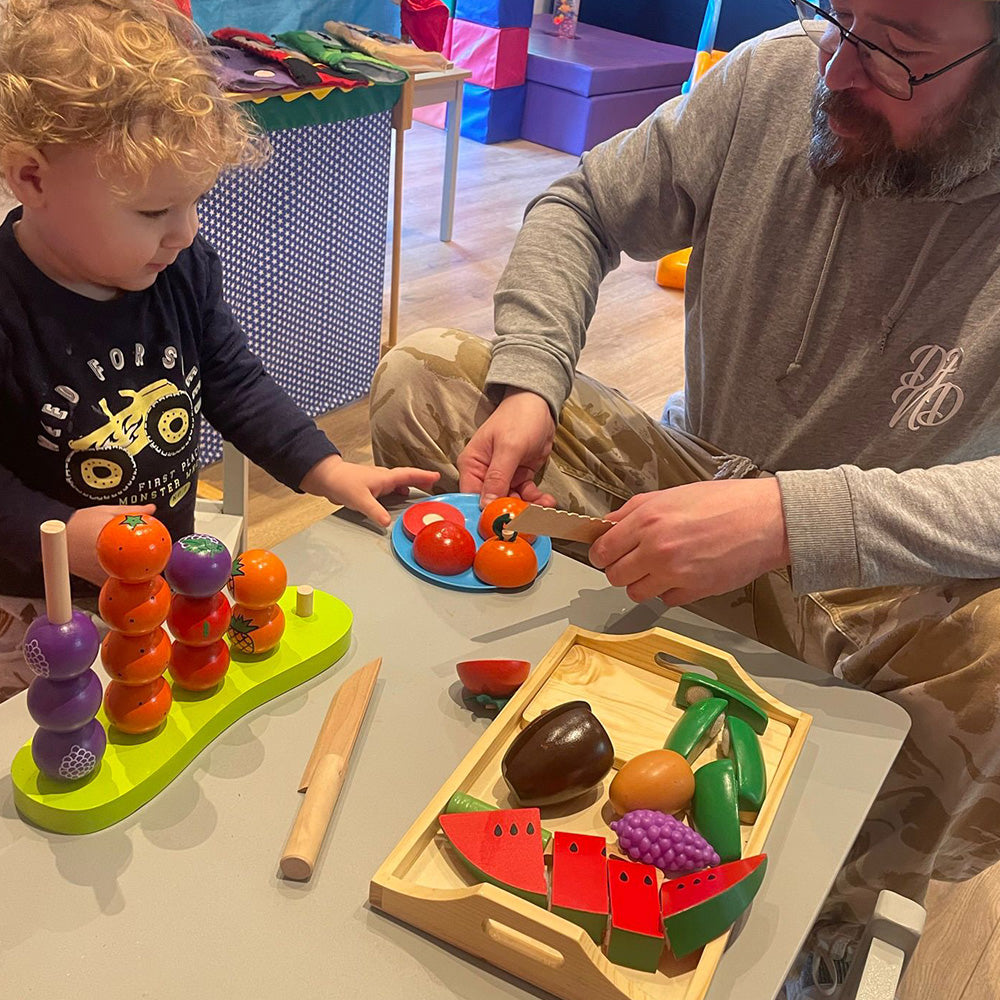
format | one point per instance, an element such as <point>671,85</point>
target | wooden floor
<point>636,344</point>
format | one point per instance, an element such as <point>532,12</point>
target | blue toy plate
<point>468,504</point>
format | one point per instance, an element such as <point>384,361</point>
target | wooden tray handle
<point>507,937</point>
<point>643,649</point>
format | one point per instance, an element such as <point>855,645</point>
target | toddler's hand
<point>82,530</point>
<point>358,486</point>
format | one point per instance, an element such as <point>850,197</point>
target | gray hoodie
<point>851,348</point>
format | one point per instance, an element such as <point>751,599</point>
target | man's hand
<point>359,486</point>
<point>694,541</point>
<point>82,530</point>
<point>505,454</point>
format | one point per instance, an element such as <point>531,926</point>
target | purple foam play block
<point>574,123</point>
<point>599,61</point>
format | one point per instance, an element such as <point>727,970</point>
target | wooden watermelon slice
<point>580,881</point>
<point>503,847</point>
<point>697,908</point>
<point>636,938</point>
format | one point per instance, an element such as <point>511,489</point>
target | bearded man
<point>827,480</point>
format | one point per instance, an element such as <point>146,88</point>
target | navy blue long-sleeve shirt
<point>100,402</point>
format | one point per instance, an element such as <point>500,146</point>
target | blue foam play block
<point>497,13</point>
<point>492,115</point>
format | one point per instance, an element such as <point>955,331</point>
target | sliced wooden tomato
<point>429,512</point>
<point>444,548</point>
<point>497,508</point>
<point>506,563</point>
<point>497,678</point>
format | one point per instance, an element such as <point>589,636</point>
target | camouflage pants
<point>932,649</point>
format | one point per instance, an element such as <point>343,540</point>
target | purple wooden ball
<point>63,706</point>
<point>69,756</point>
<point>59,652</point>
<point>199,566</point>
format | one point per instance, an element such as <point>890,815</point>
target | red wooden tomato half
<point>430,512</point>
<point>506,563</point>
<point>498,678</point>
<point>444,548</point>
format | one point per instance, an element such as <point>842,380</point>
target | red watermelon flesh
<point>503,847</point>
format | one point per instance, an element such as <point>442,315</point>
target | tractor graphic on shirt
<point>101,466</point>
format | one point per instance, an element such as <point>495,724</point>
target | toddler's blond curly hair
<point>134,78</point>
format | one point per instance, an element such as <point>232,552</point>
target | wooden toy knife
<point>325,771</point>
<point>555,523</point>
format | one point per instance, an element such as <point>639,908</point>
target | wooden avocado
<point>562,754</point>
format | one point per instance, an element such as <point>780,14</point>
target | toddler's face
<point>99,236</point>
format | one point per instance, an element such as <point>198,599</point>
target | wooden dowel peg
<point>55,567</point>
<point>304,601</point>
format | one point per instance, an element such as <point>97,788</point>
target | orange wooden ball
<point>135,659</point>
<point>134,608</point>
<point>133,547</point>
<point>139,708</point>
<point>258,579</point>
<point>255,630</point>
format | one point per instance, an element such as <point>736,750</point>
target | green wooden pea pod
<point>741,746</point>
<point>714,808</point>
<point>695,687</point>
<point>697,727</point>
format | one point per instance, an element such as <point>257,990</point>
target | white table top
<point>183,898</point>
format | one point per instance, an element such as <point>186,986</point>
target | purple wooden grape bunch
<point>64,697</point>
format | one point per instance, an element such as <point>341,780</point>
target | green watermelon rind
<point>637,951</point>
<point>595,924</point>
<point>539,899</point>
<point>689,929</point>
<point>531,895</point>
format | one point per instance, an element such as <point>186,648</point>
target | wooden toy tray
<point>630,683</point>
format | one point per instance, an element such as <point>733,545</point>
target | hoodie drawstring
<point>820,288</point>
<point>890,319</point>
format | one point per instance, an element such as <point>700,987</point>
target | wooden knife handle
<point>311,823</point>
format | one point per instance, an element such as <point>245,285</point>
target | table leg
<point>451,164</point>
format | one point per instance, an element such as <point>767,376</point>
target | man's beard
<point>869,165</point>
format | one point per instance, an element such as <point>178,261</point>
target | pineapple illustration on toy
<point>199,611</point>
<point>133,550</point>
<point>257,581</point>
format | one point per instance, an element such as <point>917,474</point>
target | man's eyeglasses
<point>886,72</point>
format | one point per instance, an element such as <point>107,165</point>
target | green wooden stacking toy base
<point>135,768</point>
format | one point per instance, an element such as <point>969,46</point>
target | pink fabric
<point>497,57</point>
<point>432,114</point>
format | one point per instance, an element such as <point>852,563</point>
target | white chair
<point>225,517</point>
<point>887,945</point>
